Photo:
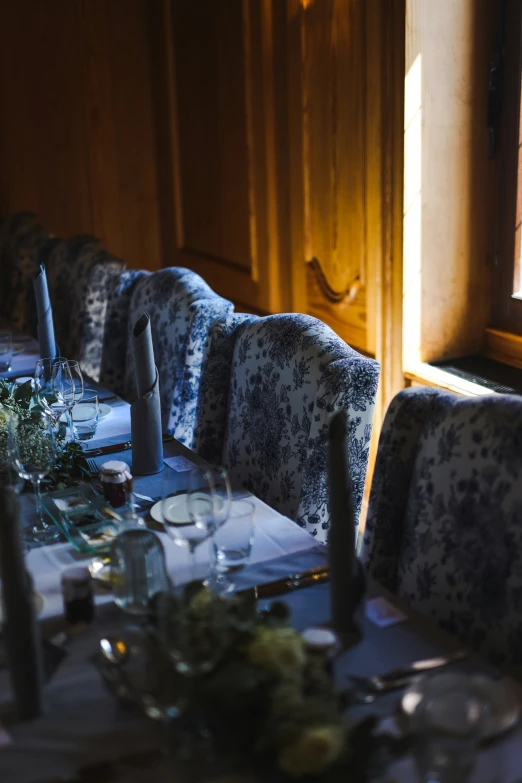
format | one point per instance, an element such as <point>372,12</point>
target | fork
<point>93,467</point>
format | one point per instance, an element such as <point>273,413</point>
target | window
<point>505,131</point>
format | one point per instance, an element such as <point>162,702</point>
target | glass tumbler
<point>232,543</point>
<point>138,570</point>
<point>85,415</point>
<point>447,714</point>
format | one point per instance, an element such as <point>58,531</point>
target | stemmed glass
<point>32,455</point>
<point>208,501</point>
<point>67,384</point>
<point>44,391</point>
<point>177,521</point>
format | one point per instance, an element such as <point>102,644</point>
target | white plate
<point>176,510</point>
<point>84,412</point>
<point>18,349</point>
<point>38,604</point>
<point>105,410</point>
<point>503,704</point>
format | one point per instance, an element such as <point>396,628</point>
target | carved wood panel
<point>332,85</point>
<point>224,139</point>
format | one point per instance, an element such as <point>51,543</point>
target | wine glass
<point>67,383</point>
<point>208,502</point>
<point>32,454</point>
<point>176,519</point>
<point>44,391</point>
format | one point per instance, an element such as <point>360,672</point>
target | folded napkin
<point>147,443</point>
<point>347,580</point>
<point>22,642</point>
<point>48,349</point>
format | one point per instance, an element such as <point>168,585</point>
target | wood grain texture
<point>76,127</point>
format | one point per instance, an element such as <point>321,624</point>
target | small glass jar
<point>77,594</point>
<point>116,480</point>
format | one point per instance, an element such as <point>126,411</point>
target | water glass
<point>6,351</point>
<point>233,543</point>
<point>138,570</point>
<point>85,415</point>
<point>446,721</point>
<point>44,391</point>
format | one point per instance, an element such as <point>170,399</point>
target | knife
<point>287,584</point>
<point>113,448</point>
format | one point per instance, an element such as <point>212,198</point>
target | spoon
<point>114,650</point>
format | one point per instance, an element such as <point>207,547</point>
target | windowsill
<point>426,375</point>
<point>504,347</point>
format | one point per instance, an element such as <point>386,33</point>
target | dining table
<point>86,735</point>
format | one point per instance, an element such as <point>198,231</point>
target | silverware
<point>93,467</point>
<point>397,678</point>
<point>289,583</point>
<point>112,449</point>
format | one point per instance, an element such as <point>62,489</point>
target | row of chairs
<point>254,394</point>
<point>444,523</point>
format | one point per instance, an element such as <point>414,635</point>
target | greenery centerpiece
<point>19,402</point>
<point>254,677</point>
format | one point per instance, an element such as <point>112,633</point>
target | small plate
<point>503,704</point>
<point>176,510</point>
<point>104,411</point>
<point>18,349</point>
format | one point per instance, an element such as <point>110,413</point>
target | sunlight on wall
<point>412,213</point>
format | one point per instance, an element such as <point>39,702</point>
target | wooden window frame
<point>506,302</point>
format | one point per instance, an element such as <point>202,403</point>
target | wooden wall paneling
<point>42,122</point>
<point>220,123</point>
<point>332,89</point>
<point>102,151</point>
<point>135,164</point>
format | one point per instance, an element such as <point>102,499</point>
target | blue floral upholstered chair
<point>214,387</point>
<point>444,525</point>
<point>117,331</point>
<point>182,308</point>
<point>290,373</point>
<point>83,278</point>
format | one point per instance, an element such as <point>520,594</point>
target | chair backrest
<point>214,387</point>
<point>182,308</point>
<point>25,264</point>
<point>116,334</point>
<point>444,525</point>
<point>83,278</point>
<point>15,229</point>
<point>290,373</point>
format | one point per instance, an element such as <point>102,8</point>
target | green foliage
<point>71,466</point>
<point>255,679</point>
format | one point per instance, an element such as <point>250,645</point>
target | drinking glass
<point>44,390</point>
<point>85,415</point>
<point>176,519</point>
<point>32,454</point>
<point>67,382</point>
<point>208,502</point>
<point>6,351</point>
<point>232,543</point>
<point>446,723</point>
